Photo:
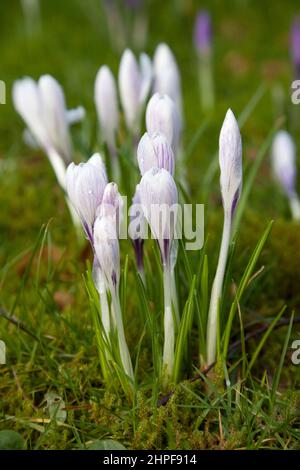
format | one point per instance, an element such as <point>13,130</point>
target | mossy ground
<point>50,298</point>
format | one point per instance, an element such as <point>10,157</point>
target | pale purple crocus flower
<point>154,150</point>
<point>85,184</point>
<point>158,194</point>
<point>203,32</point>
<point>295,45</point>
<point>162,116</point>
<point>106,245</point>
<point>283,160</point>
<point>136,226</point>
<point>230,160</point>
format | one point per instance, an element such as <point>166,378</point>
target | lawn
<point>53,392</point>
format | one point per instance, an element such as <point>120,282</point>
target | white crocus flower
<point>134,86</point>
<point>106,245</point>
<point>167,76</point>
<point>154,150</point>
<point>159,198</point>
<point>162,116</point>
<point>42,106</point>
<point>54,116</point>
<point>230,160</point>
<point>106,101</point>
<point>283,159</point>
<point>85,185</point>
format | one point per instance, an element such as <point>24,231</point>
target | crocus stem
<point>169,327</point>
<point>114,162</point>
<point>206,82</point>
<point>138,245</point>
<point>59,169</point>
<point>295,206</point>
<point>105,317</point>
<point>211,339</point>
<point>124,352</point>
<point>174,296</point>
<point>100,286</point>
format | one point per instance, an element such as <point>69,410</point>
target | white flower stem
<point>211,338</point>
<point>169,327</point>
<point>295,206</point>
<point>124,352</point>
<point>100,286</point>
<point>174,297</point>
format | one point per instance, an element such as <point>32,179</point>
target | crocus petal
<point>28,103</point>
<point>154,150</point>
<point>202,34</point>
<point>159,196</point>
<point>130,88</point>
<point>283,159</point>
<point>106,246</point>
<point>54,116</point>
<point>85,185</point>
<point>230,160</point>
<point>162,116</point>
<point>146,77</point>
<point>107,105</point>
<point>167,76</point>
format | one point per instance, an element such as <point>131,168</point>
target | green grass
<point>251,401</point>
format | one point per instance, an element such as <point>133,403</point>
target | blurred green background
<point>250,50</point>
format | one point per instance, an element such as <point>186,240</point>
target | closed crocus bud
<point>202,34</point>
<point>159,198</point>
<point>106,246</point>
<point>112,204</point>
<point>283,158</point>
<point>230,160</point>
<point>85,187</point>
<point>106,101</point>
<point>162,116</point>
<point>55,116</point>
<point>154,150</point>
<point>295,45</point>
<point>134,86</point>
<point>167,76</point>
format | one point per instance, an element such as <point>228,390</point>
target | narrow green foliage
<point>243,285</point>
<point>184,332</point>
<point>278,372</point>
<point>264,339</point>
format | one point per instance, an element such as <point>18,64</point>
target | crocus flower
<point>107,248</point>
<point>283,159</point>
<point>106,101</point>
<point>167,76</point>
<point>106,245</point>
<point>162,116</point>
<point>154,150</point>
<point>230,160</point>
<point>158,194</point>
<point>134,86</point>
<point>85,187</point>
<point>295,45</point>
<point>203,33</point>
<point>136,231</point>
<point>42,106</point>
